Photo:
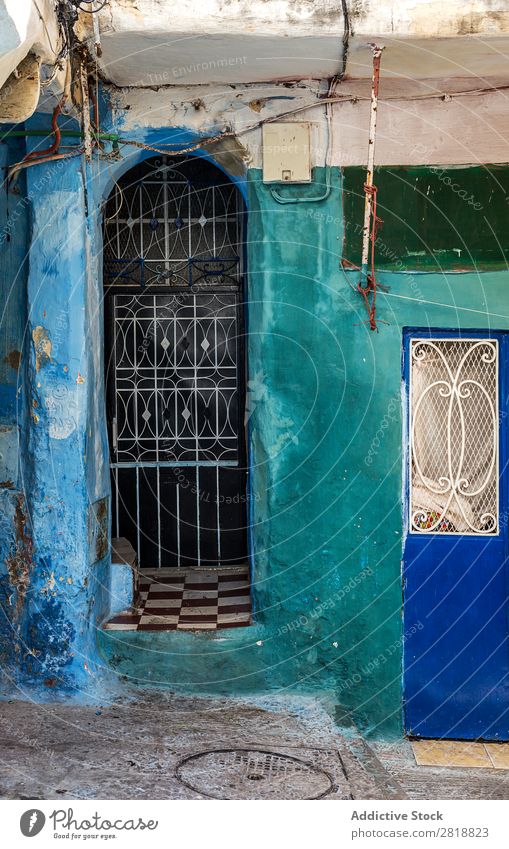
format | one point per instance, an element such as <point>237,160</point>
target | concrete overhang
<point>20,94</point>
<point>154,42</point>
<point>26,27</point>
<point>30,42</point>
<point>157,42</point>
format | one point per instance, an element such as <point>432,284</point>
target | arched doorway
<point>175,363</point>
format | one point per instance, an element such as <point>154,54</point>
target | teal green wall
<point>314,549</point>
<point>324,399</point>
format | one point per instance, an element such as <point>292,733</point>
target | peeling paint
<point>285,307</point>
<point>20,561</point>
<point>50,583</point>
<point>231,155</point>
<point>257,105</point>
<point>42,345</point>
<point>98,538</point>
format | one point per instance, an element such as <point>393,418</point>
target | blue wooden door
<point>456,646</point>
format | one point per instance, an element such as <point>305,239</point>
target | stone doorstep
<point>123,558</point>
<point>460,753</point>
<point>175,571</point>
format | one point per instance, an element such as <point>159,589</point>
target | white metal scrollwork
<point>454,436</point>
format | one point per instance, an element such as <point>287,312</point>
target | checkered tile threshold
<point>193,601</point>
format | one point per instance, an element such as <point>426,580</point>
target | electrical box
<point>286,153</point>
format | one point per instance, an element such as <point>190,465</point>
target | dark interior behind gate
<point>175,363</point>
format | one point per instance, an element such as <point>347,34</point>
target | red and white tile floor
<point>171,600</point>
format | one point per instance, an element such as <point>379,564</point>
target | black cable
<point>346,36</point>
<point>92,11</point>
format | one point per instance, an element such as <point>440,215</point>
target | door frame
<point>244,428</point>
<point>502,336</point>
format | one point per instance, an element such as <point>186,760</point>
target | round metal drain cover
<point>253,774</point>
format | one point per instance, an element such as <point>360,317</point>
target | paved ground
<point>161,746</point>
<point>424,782</point>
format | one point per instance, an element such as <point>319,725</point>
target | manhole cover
<point>253,774</point>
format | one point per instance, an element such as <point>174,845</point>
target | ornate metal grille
<point>170,222</point>
<point>176,378</point>
<point>172,269</point>
<point>454,436</point>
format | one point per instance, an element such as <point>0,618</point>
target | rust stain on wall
<point>436,20</point>
<point>13,359</point>
<point>42,345</point>
<point>98,529</point>
<point>230,154</point>
<point>20,561</point>
<point>257,105</point>
<point>483,21</point>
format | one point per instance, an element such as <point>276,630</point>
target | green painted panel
<point>433,218</point>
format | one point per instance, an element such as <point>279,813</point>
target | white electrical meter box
<point>286,153</point>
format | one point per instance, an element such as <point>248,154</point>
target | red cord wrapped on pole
<point>367,283</point>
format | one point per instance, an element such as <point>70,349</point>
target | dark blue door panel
<point>456,650</point>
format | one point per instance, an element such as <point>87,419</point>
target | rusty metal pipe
<point>368,199</point>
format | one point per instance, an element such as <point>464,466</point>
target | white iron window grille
<point>454,436</point>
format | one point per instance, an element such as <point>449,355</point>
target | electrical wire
<point>302,108</point>
<point>121,193</point>
<point>28,164</point>
<point>54,49</point>
<point>227,133</point>
<point>281,199</point>
<point>91,11</point>
<point>346,37</point>
<point>207,140</point>
<point>47,82</point>
<point>53,148</point>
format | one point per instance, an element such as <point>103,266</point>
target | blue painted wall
<point>14,233</point>
<point>58,586</point>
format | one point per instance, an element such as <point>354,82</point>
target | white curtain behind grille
<point>454,436</point>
